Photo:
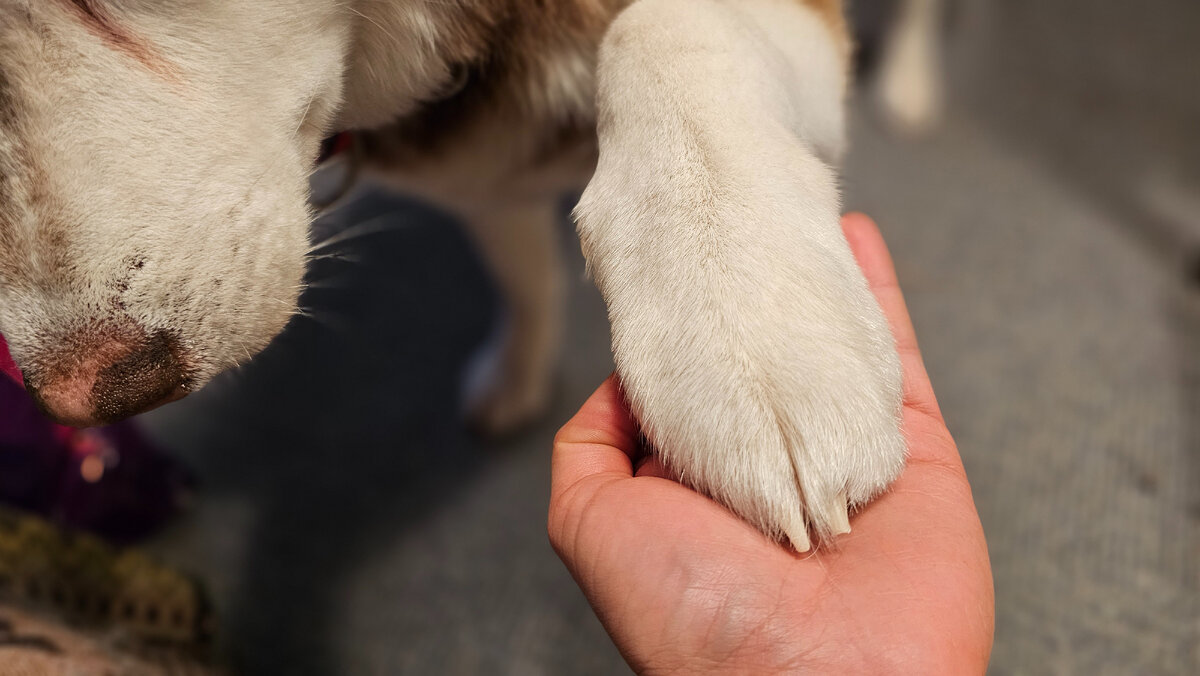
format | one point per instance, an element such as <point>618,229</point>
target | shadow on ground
<point>347,522</point>
<point>343,432</point>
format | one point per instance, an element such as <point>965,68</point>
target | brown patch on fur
<point>830,10</point>
<point>8,103</point>
<point>104,25</point>
<point>50,241</point>
<point>833,12</point>
<point>500,48</point>
<point>8,162</point>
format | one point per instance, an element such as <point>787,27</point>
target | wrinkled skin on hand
<point>684,586</point>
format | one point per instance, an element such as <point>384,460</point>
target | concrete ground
<point>348,524</point>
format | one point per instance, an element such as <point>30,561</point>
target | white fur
<point>396,61</point>
<point>180,200</point>
<point>745,335</point>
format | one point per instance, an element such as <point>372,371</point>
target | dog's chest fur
<point>426,75</point>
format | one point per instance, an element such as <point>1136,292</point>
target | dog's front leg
<point>747,340</point>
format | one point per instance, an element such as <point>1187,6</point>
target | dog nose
<point>111,382</point>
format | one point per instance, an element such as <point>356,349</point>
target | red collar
<point>7,366</point>
<point>335,145</point>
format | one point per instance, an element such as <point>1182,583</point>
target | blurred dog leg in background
<point>901,44</point>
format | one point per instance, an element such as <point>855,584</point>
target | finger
<point>876,262</point>
<point>652,465</point>
<point>601,439</point>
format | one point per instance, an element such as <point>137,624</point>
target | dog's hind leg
<point>519,242</point>
<point>504,182</point>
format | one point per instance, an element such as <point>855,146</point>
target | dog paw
<point>789,424</point>
<point>751,349</point>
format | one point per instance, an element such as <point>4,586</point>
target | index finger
<point>600,440</point>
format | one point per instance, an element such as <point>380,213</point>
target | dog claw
<point>837,516</point>
<point>797,533</point>
<point>839,521</point>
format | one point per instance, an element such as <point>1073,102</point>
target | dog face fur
<point>155,154</point>
<point>157,186</point>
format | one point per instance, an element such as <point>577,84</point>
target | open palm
<point>684,586</point>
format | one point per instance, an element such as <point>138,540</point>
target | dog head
<point>154,157</point>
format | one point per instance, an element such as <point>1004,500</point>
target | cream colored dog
<point>154,157</point>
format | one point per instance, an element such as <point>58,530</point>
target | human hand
<point>684,586</point>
